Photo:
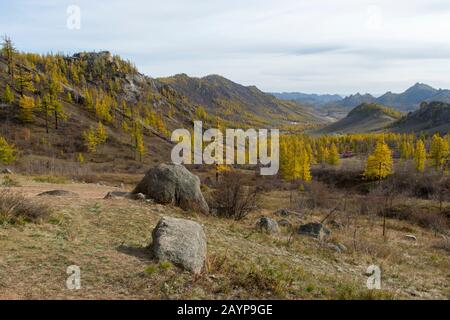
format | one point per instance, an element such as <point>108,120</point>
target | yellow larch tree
<point>379,164</point>
<point>333,156</point>
<point>439,151</point>
<point>420,156</point>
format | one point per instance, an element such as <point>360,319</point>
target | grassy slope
<point>364,118</point>
<point>108,240</point>
<point>241,104</point>
<point>434,117</point>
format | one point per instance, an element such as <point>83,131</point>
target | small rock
<point>333,247</point>
<point>7,171</point>
<point>314,229</point>
<point>411,237</point>
<point>180,241</point>
<point>139,196</point>
<point>284,223</point>
<point>116,194</point>
<point>58,193</point>
<point>267,225</point>
<point>282,213</point>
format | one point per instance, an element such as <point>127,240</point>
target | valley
<point>87,180</point>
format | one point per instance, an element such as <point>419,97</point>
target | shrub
<point>9,182</point>
<point>15,208</point>
<point>232,199</point>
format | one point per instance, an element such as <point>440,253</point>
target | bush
<point>15,208</point>
<point>232,199</point>
<point>9,182</point>
<point>317,196</point>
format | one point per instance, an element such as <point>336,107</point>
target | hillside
<point>430,118</point>
<point>364,118</point>
<point>70,95</point>
<point>57,100</point>
<point>240,104</point>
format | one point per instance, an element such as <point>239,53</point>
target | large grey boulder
<point>314,229</point>
<point>181,242</point>
<point>173,184</point>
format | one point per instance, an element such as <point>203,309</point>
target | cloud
<point>290,45</point>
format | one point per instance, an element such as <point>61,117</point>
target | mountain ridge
<point>365,118</point>
<point>408,100</point>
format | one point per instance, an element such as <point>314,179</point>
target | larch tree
<point>333,155</point>
<point>420,156</point>
<point>9,52</point>
<point>24,82</point>
<point>379,164</point>
<point>26,107</point>
<point>8,96</point>
<point>8,153</point>
<point>439,151</point>
<point>102,135</point>
<point>90,140</point>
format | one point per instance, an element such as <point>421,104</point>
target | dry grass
<point>108,239</point>
<point>16,209</point>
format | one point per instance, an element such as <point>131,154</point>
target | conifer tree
<point>8,96</point>
<point>8,153</point>
<point>102,135</point>
<point>333,156</point>
<point>26,105</point>
<point>420,156</point>
<point>439,151</point>
<point>24,82</point>
<point>90,139</point>
<point>379,163</point>
<point>9,52</point>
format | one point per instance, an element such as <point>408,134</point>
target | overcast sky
<point>321,46</point>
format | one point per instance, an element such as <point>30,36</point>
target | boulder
<point>268,225</point>
<point>173,184</point>
<point>314,229</point>
<point>181,242</point>
<point>58,193</point>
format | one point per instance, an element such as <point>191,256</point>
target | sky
<point>312,46</point>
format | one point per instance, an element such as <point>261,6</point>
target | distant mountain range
<point>406,101</point>
<point>372,117</point>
